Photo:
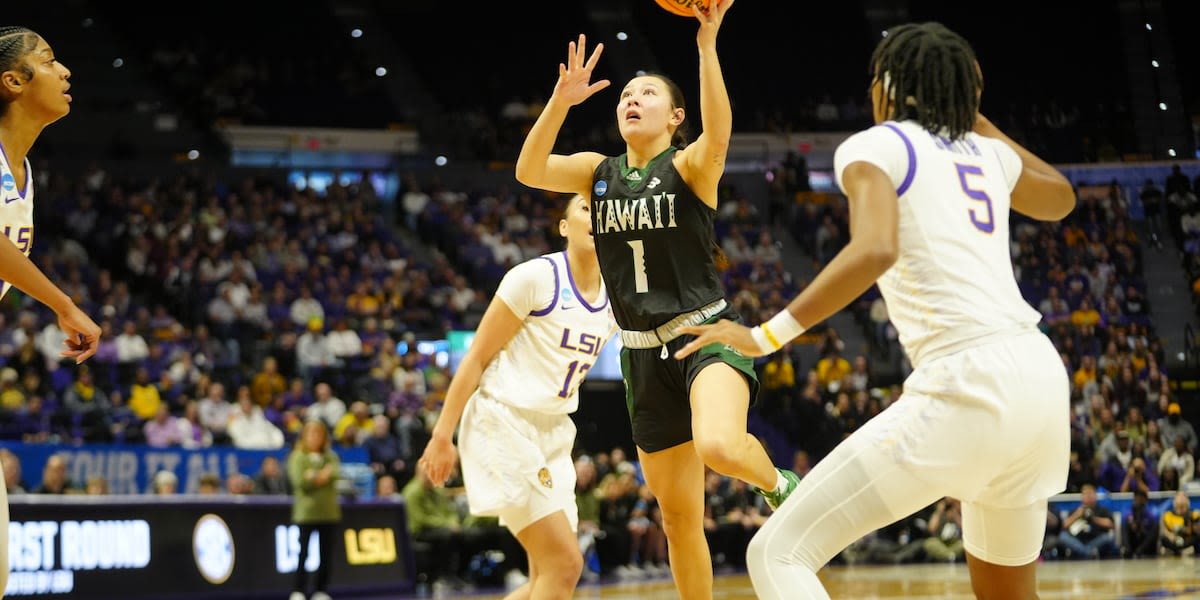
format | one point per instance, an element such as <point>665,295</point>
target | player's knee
<point>765,548</point>
<point>560,569</point>
<point>681,520</point>
<point>756,550</point>
<point>719,454</point>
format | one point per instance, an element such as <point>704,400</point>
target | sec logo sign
<point>212,547</point>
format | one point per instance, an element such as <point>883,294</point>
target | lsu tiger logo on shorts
<point>544,478</point>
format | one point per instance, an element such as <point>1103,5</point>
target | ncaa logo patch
<point>600,188</point>
<point>565,295</point>
<point>7,182</point>
<point>544,478</point>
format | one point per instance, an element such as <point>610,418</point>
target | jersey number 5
<point>987,224</point>
<point>640,284</point>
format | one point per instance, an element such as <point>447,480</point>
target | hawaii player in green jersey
<point>652,211</point>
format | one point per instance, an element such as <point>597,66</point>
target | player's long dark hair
<point>932,77</point>
<point>680,138</point>
<point>15,43</point>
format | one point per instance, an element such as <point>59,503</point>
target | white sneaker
<point>297,596</point>
<point>321,596</point>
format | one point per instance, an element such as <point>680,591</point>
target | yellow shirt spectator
<point>832,368</point>
<point>778,373</point>
<point>144,400</point>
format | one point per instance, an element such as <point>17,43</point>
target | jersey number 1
<point>640,284</point>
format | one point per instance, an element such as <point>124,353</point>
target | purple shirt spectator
<point>162,431</point>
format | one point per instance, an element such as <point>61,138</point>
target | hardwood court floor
<point>1174,578</point>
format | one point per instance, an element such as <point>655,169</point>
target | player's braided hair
<point>931,77</point>
<point>15,43</point>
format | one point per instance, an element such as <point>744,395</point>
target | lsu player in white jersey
<point>514,391</point>
<point>984,414</point>
<point>33,94</point>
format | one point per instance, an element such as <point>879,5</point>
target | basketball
<point>683,8</point>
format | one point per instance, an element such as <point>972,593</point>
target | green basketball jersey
<point>654,239</point>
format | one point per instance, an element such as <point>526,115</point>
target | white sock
<point>780,481</point>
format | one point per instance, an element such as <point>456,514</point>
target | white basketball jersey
<point>542,366</point>
<point>953,281</point>
<point>16,209</point>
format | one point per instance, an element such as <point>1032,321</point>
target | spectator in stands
<point>1174,425</point>
<point>249,429</point>
<point>267,383</point>
<point>12,472</point>
<point>1139,537</point>
<point>1178,457</point>
<point>96,485</point>
<point>355,425</point>
<point>1153,200</point>
<point>85,401</point>
<point>305,308</point>
<point>385,453</point>
<point>238,484</point>
<point>54,477</point>
<point>313,470</point>
<point>162,431</point>
<point>165,483</point>
<point>433,519</point>
<point>192,433</point>
<point>832,368</point>
<point>131,350</point>
<point>313,352</point>
<point>270,479</point>
<point>1179,528</point>
<point>215,411</point>
<point>945,543</point>
<point>326,406</point>
<point>209,485</point>
<point>1088,530</point>
<point>144,399</point>
<point>1139,477</point>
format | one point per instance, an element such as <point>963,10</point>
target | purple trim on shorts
<point>571,278</point>
<point>553,301</point>
<point>912,160</point>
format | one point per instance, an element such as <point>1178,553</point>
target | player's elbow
<point>879,254</point>
<point>1044,198</point>
<point>526,174</point>
<point>1061,200</point>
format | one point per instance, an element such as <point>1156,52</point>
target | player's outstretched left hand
<point>724,332</point>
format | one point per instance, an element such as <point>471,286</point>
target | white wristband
<point>781,329</point>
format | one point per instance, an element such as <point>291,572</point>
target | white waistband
<point>668,331</point>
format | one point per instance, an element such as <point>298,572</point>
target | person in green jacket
<point>433,518</point>
<point>313,472</point>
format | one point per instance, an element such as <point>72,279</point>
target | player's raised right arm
<point>536,166</point>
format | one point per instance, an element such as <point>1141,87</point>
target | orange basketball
<point>683,8</point>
